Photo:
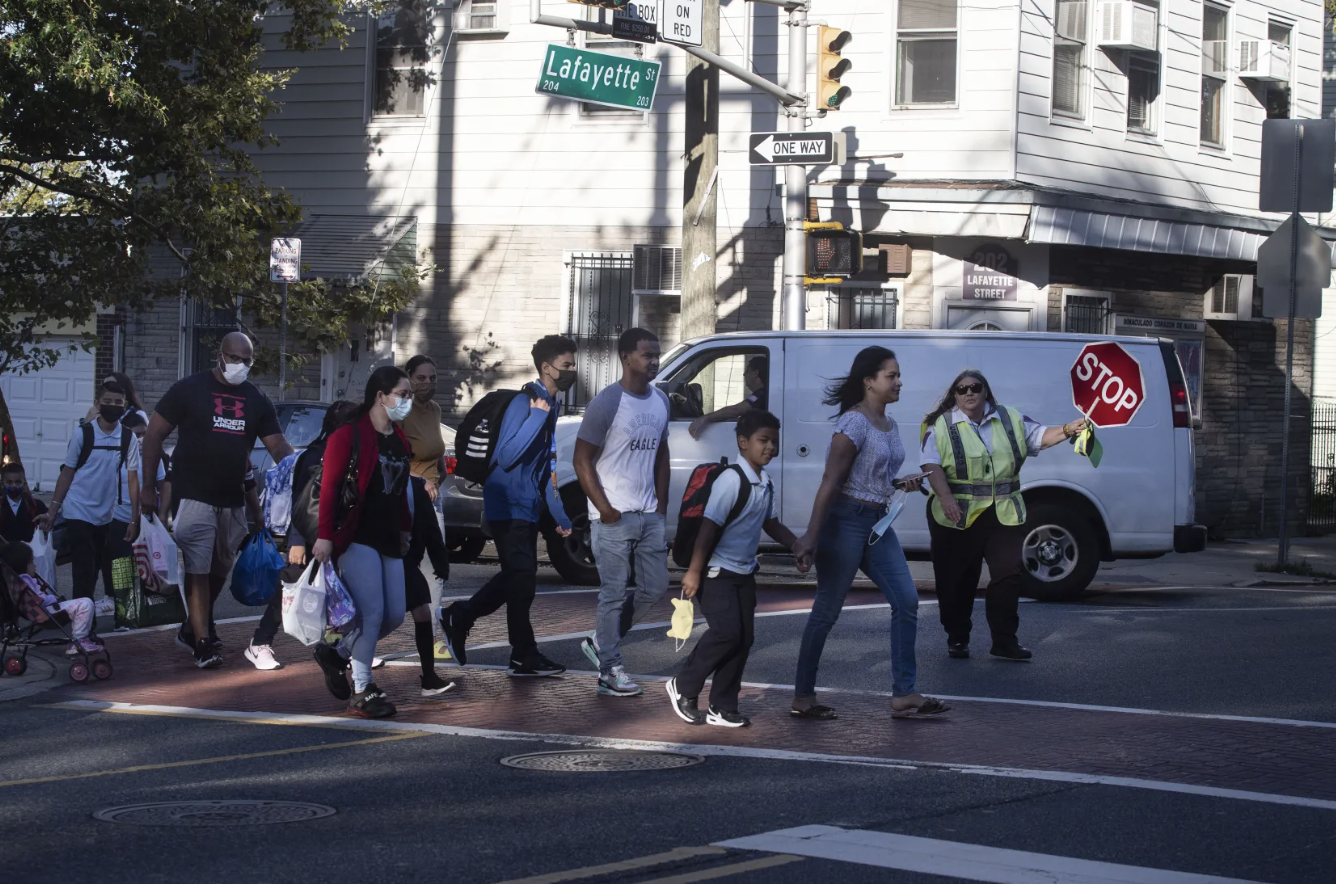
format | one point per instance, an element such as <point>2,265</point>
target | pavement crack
<point>979,806</point>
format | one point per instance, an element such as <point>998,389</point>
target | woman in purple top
<point>859,481</point>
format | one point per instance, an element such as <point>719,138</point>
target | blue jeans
<point>638,535</point>
<point>376,583</point>
<point>842,549</point>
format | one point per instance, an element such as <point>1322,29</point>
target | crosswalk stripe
<point>955,859</point>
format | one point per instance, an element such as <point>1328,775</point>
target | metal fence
<point>602,307</point>
<point>862,308</point>
<point>1322,457</point>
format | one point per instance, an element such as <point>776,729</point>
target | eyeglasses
<point>233,359</point>
<point>966,389</point>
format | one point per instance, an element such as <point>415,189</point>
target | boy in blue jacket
<point>520,484</point>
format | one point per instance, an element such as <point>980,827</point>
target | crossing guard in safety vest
<point>973,450</point>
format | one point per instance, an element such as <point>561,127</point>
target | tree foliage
<point>126,128</point>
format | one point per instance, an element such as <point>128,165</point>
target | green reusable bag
<point>135,608</point>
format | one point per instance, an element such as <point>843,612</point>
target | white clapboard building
<point>1052,165</point>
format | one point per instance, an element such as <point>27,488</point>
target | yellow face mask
<point>684,616</point>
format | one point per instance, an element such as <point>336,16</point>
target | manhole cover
<point>601,760</point>
<point>214,813</point>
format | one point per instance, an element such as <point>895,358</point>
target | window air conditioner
<point>1232,298</point>
<point>1264,60</point>
<point>1125,24</point>
<point>656,270</point>
<point>1071,21</point>
<point>1215,57</point>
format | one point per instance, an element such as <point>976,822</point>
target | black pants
<point>272,618</point>
<point>116,547</point>
<point>729,605</point>
<point>957,561</point>
<point>87,545</point>
<point>513,586</point>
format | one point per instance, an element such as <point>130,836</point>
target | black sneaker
<point>185,639</point>
<point>433,685</point>
<point>685,707</point>
<point>336,671</point>
<point>206,657</point>
<point>454,632</point>
<point>1011,651</point>
<point>726,719</point>
<point>371,703</point>
<point>958,650</point>
<point>534,665</point>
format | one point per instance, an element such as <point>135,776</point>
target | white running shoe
<point>104,607</point>
<point>377,662</point>
<point>618,684</point>
<point>590,648</point>
<point>262,656</point>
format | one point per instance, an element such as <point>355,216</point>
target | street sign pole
<point>700,172</point>
<point>283,345</point>
<point>1282,547</point>
<point>795,183</point>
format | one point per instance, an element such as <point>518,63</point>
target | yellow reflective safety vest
<point>978,479</point>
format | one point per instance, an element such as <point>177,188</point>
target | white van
<point>1139,503</point>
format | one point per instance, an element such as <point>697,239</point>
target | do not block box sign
<point>598,77</point>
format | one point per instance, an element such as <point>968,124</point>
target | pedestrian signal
<point>834,252</point>
<point>830,67</point>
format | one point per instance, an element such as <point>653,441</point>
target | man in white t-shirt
<point>621,457</point>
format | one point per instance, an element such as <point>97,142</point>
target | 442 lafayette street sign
<point>598,77</point>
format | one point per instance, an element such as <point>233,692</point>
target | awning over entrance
<point>1105,230</point>
<point>356,247</point>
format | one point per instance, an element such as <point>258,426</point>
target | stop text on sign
<point>1107,384</point>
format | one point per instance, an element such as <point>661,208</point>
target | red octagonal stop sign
<point>1107,384</point>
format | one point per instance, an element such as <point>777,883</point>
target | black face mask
<point>14,493</point>
<point>111,413</point>
<point>566,378</point>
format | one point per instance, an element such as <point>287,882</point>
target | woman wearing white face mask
<point>367,536</point>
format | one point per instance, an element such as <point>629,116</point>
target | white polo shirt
<point>736,549</point>
<point>92,494</point>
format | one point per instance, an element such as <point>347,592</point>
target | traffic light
<point>834,253</point>
<point>830,67</point>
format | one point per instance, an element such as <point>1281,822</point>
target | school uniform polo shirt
<point>92,494</point>
<point>736,549</point>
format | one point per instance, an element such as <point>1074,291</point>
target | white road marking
<point>956,859</point>
<point>1124,609</point>
<point>698,749</point>
<point>164,628</point>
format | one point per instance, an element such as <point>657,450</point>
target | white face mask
<point>234,374</point>
<point>400,409</point>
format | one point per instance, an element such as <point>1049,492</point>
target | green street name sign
<point>598,77</point>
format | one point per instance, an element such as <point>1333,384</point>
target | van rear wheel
<point>572,556</point>
<point>1060,553</point>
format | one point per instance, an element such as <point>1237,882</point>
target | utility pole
<point>795,182</point>
<point>700,173</point>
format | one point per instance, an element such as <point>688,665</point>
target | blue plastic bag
<point>255,575</point>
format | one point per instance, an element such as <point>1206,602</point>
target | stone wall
<point>1243,382</point>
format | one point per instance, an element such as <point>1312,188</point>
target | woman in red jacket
<point>368,539</point>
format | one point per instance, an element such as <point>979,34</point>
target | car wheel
<point>466,549</point>
<point>1060,553</point>
<point>573,556</point>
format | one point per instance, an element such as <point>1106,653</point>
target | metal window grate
<point>1087,315</point>
<point>1322,456</point>
<point>601,308</point>
<point>865,308</point>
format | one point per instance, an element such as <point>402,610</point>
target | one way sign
<point>791,148</point>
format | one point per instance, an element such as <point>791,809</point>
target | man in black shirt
<point>219,416</point>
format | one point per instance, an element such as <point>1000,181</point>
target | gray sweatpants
<point>377,586</point>
<point>642,535</point>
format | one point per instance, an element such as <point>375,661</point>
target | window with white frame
<point>1086,313</point>
<point>1070,58</point>
<point>1143,92</point>
<point>1277,97</point>
<point>926,42</point>
<point>403,33</point>
<point>1215,70</point>
<point>479,17</point>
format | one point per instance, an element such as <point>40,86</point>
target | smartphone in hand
<point>910,483</point>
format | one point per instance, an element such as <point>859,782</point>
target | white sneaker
<point>262,656</point>
<point>618,684</point>
<point>377,662</point>
<point>104,606</point>
<point>590,648</point>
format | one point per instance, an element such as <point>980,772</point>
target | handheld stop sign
<point>1108,386</point>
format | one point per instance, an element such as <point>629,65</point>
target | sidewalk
<point>1228,563</point>
<point>47,669</point>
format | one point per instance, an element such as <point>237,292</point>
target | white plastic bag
<point>304,606</point>
<point>44,556</point>
<point>158,552</point>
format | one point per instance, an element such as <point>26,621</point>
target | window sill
<point>1218,150</point>
<point>955,105</point>
<point>482,33</point>
<point>1058,119</point>
<point>398,121</point>
<point>1144,137</point>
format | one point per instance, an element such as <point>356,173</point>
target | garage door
<point>46,406</point>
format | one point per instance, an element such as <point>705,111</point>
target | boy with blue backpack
<point>740,503</point>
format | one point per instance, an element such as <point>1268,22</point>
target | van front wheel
<point>1060,553</point>
<point>572,556</point>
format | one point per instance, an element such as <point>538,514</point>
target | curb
<point>41,676</point>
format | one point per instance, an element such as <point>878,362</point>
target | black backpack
<point>88,448</point>
<point>475,441</point>
<point>306,501</point>
<point>692,513</point>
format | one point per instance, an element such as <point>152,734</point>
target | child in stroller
<point>29,597</point>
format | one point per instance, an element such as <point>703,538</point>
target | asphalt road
<point>418,805</point>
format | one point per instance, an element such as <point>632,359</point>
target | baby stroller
<point>18,603</point>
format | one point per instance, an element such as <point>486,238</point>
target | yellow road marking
<point>629,865</point>
<point>751,865</point>
<point>215,760</point>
